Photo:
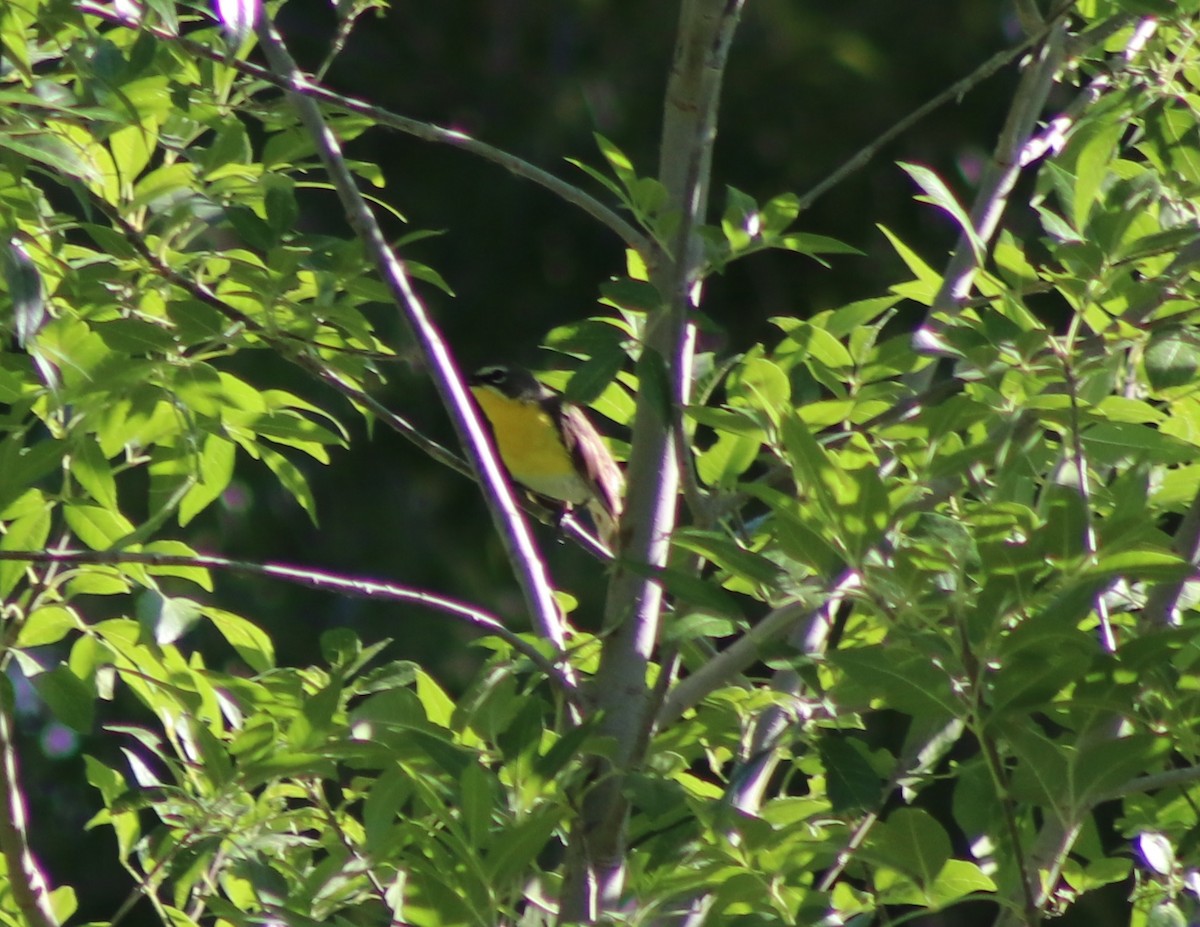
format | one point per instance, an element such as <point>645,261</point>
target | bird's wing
<point>593,459</point>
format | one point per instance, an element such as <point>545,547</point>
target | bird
<point>549,446</point>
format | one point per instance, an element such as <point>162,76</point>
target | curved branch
<point>425,131</point>
<point>359,587</point>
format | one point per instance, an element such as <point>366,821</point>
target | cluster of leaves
<point>899,580</point>
<point>336,795</point>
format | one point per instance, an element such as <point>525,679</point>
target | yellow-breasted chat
<point>549,446</point>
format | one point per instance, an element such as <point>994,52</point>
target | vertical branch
<point>30,892</point>
<point>595,873</point>
<point>513,528</point>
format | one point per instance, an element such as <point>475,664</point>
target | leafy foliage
<point>933,636</point>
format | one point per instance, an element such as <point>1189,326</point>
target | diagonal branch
<point>424,131</point>
<point>510,522</point>
<point>992,199</point>
<point>360,587</point>
<point>955,91</point>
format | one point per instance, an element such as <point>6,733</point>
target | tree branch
<point>990,202</point>
<point>359,587</point>
<point>955,91</point>
<point>595,870</point>
<point>30,891</point>
<point>465,416</point>
<point>424,131</point>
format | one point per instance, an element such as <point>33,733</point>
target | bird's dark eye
<point>492,375</point>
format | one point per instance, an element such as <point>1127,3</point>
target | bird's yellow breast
<point>529,444</point>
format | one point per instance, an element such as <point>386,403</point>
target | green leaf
<point>98,528</point>
<point>279,198</point>
<point>621,166</point>
<point>631,295</point>
<point>928,280</point>
<point>251,643</point>
<point>23,466</point>
<point>937,193</point>
<point>214,471</point>
<point>1122,442</point>
<point>133,146</point>
<point>589,337</point>
<point>1172,358</point>
<point>905,680</point>
<point>1092,166</point>
<point>701,593</point>
<point>820,345</point>
<point>137,337</point>
<point>91,469</point>
<point>1039,660</point>
<point>911,841</point>
<point>28,532</point>
<point>728,555</point>
<point>48,625</point>
<point>804,543</point>
<point>958,879</point>
<point>728,457</point>
<point>480,796</point>
<point>68,697</point>
<point>164,618</point>
<point>816,474</point>
<point>439,707</point>
<point>523,840</point>
<point>1142,563</point>
<point>593,377</point>
<point>55,153</point>
<point>760,384</point>
<point>25,290</point>
<point>387,796</point>
<point>811,245</point>
<point>1164,913</point>
<point>291,478</point>
<point>850,782</point>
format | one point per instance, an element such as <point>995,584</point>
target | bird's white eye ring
<point>493,375</point>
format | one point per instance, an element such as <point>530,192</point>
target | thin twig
<point>919,759</point>
<point>1170,779</point>
<point>1162,602</point>
<point>355,586</point>
<point>739,655</point>
<point>955,91</point>
<point>1091,544</point>
<point>424,131</point>
<point>316,795</point>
